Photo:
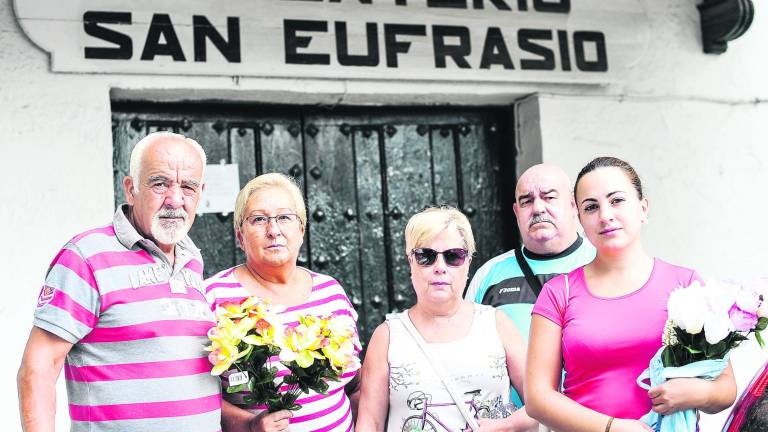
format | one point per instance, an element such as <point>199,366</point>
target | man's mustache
<point>172,213</point>
<point>538,218</point>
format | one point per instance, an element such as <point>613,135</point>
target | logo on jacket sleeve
<point>46,295</point>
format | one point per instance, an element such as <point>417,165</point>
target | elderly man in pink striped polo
<point>122,310</point>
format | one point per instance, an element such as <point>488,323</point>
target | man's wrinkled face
<point>166,195</point>
<point>544,209</point>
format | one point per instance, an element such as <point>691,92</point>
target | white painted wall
<point>702,164</point>
<point>695,128</point>
<point>694,125</point>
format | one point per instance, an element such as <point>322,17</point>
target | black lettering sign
<point>161,25</point>
<point>124,48</point>
<point>229,48</point>
<point>600,64</point>
<point>500,4</point>
<point>565,55</point>
<point>456,52</point>
<point>293,42</point>
<point>524,38</point>
<point>455,4</point>
<point>495,50</point>
<point>392,46</point>
<point>342,47</point>
<point>558,6</point>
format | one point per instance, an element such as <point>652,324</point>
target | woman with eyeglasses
<point>603,322</point>
<point>269,222</point>
<point>477,349</point>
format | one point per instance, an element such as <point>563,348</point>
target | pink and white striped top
<point>138,325</point>
<point>321,413</point>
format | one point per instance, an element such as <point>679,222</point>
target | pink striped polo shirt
<point>321,413</point>
<point>138,325</point>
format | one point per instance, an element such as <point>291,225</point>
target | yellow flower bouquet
<point>247,337</point>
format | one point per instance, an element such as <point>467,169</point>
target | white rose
<point>687,309</point>
<point>720,295</point>
<point>748,301</point>
<point>716,327</point>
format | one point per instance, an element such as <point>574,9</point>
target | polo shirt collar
<point>128,236</point>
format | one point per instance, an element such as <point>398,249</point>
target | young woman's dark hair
<point>608,162</point>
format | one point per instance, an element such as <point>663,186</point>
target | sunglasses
<point>425,257</point>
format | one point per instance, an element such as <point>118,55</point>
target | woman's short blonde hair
<point>270,181</point>
<point>427,224</point>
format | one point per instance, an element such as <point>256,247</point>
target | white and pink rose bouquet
<point>705,321</point>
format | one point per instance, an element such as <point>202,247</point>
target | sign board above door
<point>555,41</point>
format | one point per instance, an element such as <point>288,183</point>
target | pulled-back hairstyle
<point>611,162</point>
<point>269,181</point>
<point>428,223</point>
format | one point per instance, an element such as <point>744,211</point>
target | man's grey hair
<point>137,154</point>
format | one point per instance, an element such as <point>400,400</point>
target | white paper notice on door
<point>222,183</point>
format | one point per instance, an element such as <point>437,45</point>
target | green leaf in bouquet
<point>322,387</point>
<point>264,378</point>
<point>759,339</point>
<point>332,375</point>
<point>683,337</point>
<point>294,407</point>
<point>693,350</point>
<point>717,350</point>
<point>235,389</point>
<point>275,404</point>
<point>303,386</point>
<point>668,357</point>
<point>700,341</point>
<point>736,340</point>
<point>762,324</point>
<point>300,372</point>
<point>289,398</point>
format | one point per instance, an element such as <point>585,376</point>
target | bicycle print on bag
<point>428,419</point>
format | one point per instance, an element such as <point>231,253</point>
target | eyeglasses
<point>281,219</point>
<point>426,257</point>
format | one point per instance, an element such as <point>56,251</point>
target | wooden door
<point>364,172</point>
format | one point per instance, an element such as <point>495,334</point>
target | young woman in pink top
<point>603,322</point>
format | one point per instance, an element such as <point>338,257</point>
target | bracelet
<point>608,426</point>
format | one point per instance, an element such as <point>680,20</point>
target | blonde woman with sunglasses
<point>442,342</point>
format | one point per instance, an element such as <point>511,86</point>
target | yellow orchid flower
<point>222,356</point>
<point>264,334</point>
<point>342,356</point>
<point>341,327</point>
<point>249,306</point>
<point>221,335</point>
<point>301,344</point>
<point>230,310</point>
<point>228,330</point>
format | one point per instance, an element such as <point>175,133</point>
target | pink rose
<point>742,320</point>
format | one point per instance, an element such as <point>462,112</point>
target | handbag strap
<point>532,280</point>
<point>447,383</point>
